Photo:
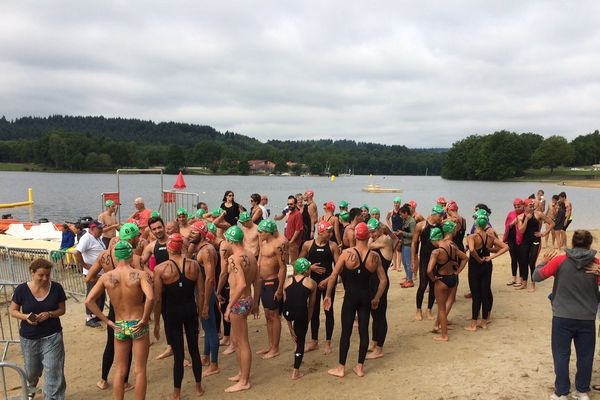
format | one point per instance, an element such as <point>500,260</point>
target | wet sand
<point>509,360</point>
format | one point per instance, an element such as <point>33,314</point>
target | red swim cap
<point>309,193</point>
<point>517,201</point>
<point>175,242</point>
<point>528,202</point>
<point>452,206</point>
<point>210,236</point>
<point>441,200</point>
<point>323,226</point>
<point>361,232</point>
<point>200,227</point>
<point>329,206</point>
<point>412,203</point>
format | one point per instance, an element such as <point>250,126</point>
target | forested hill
<point>98,143</point>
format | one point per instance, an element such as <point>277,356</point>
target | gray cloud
<point>389,72</point>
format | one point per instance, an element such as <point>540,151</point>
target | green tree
<point>553,152</point>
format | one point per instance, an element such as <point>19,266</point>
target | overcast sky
<point>390,72</point>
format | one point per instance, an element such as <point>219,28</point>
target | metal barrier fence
<point>9,326</point>
<point>20,392</point>
<point>174,199</point>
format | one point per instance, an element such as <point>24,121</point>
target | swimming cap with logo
<point>234,234</point>
<point>344,204</point>
<point>435,235</point>
<point>373,224</point>
<point>129,231</point>
<point>324,226</point>
<point>216,212</point>
<point>200,213</point>
<point>301,265</point>
<point>437,209</point>
<point>212,228</point>
<point>175,242</point>
<point>123,250</point>
<point>374,210</point>
<point>266,225</point>
<point>361,231</point>
<point>181,211</point>
<point>109,203</point>
<point>452,206</point>
<point>244,217</point>
<point>200,227</point>
<point>448,226</point>
<point>154,214</point>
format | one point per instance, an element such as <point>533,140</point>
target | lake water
<point>61,197</point>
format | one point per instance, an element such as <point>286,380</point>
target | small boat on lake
<point>378,189</point>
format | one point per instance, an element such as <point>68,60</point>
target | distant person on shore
<point>141,216</point>
<point>575,301</point>
<point>109,219</point>
<point>131,293</point>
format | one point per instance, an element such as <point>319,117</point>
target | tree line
<point>97,144</point>
<point>504,154</point>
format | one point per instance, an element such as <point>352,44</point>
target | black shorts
<point>267,295</point>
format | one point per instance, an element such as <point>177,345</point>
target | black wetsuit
<point>225,294</point>
<point>529,248</point>
<point>380,325</point>
<point>459,238</point>
<point>356,300</point>
<point>307,224</point>
<point>109,349</point>
<point>480,280</point>
<point>426,248</point>
<point>296,310</point>
<point>397,223</point>
<point>559,218</point>
<point>450,280</point>
<point>161,255</point>
<point>513,249</point>
<point>323,256</point>
<point>182,314</point>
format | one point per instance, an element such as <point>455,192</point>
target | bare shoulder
<point>310,283</point>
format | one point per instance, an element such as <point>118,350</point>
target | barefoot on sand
<point>167,353</point>
<point>238,387</point>
<point>472,327</point>
<point>326,349</point>
<point>359,370</point>
<point>269,355</point>
<point>128,386</point>
<point>297,375</point>
<point>211,370</point>
<point>263,351</point>
<point>419,315</point>
<point>228,350</point>
<point>102,384</point>
<point>338,371</point>
<point>204,361</point>
<point>430,315</point>
<point>187,363</point>
<point>235,378</point>
<point>312,345</point>
<point>199,390</point>
<point>374,355</point>
<point>441,338</point>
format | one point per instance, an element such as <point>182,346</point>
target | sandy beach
<point>510,360</point>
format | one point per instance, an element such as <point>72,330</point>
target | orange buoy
<point>180,183</point>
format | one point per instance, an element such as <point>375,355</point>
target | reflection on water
<point>60,197</point>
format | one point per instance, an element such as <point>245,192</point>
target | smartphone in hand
<point>32,317</point>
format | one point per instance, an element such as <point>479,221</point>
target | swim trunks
<point>126,332</point>
<point>267,295</point>
<point>243,306</point>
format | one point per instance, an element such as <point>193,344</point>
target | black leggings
<point>528,254</point>
<point>315,321</point>
<point>423,282</point>
<point>380,325</point>
<point>218,317</point>
<point>480,283</point>
<point>184,318</point>
<point>109,350</point>
<point>513,250</point>
<point>226,324</point>
<point>300,326</point>
<point>355,303</point>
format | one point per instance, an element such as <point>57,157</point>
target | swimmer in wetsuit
<point>131,293</point>
<point>446,262</point>
<point>181,281</point>
<point>481,244</point>
<point>299,297</point>
<point>355,266</point>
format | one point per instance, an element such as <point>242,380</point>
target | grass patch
<point>561,173</point>
<point>21,167</point>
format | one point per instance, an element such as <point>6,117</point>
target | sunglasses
<point>291,204</point>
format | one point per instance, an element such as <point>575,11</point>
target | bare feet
<point>337,371</point>
<point>263,351</point>
<point>484,324</point>
<point>167,353</point>
<point>102,384</point>
<point>238,387</point>
<point>430,315</point>
<point>175,396</point>
<point>377,353</point>
<point>327,348</point>
<point>472,327</point>
<point>359,370</point>
<point>235,378</point>
<point>199,390</point>
<point>211,370</point>
<point>312,345</point>
<point>204,360</point>
<point>128,386</point>
<point>296,374</point>
<point>224,342</point>
<point>229,350</point>
<point>371,347</point>
<point>521,286</point>
<point>531,289</point>
<point>419,315</point>
<point>270,354</point>
<point>441,338</point>
<point>186,363</point>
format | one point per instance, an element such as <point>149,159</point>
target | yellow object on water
<point>20,203</point>
<point>332,178</point>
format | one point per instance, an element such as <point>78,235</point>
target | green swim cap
<point>438,209</point>
<point>129,231</point>
<point>397,199</point>
<point>266,225</point>
<point>301,265</point>
<point>234,234</point>
<point>244,217</point>
<point>109,203</point>
<point>123,250</point>
<point>373,224</point>
<point>374,210</point>
<point>212,228</point>
<point>364,207</point>
<point>181,211</point>
<point>436,235</point>
<point>482,221</point>
<point>345,216</point>
<point>200,213</point>
<point>154,214</point>
<point>448,226</point>
<point>344,204</point>
<point>481,213</point>
<point>216,212</point>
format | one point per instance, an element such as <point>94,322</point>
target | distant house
<point>261,166</point>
